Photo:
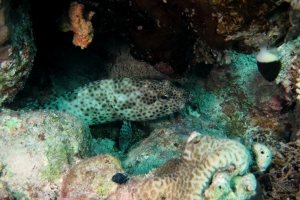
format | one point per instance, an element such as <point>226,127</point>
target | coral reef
<point>281,180</point>
<point>202,53</point>
<point>39,146</point>
<point>235,96</point>
<point>17,49</point>
<point>240,110</point>
<point>204,158</point>
<point>82,28</point>
<point>164,31</point>
<point>162,145</point>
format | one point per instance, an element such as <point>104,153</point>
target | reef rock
<point>39,146</point>
<point>164,31</point>
<point>17,49</point>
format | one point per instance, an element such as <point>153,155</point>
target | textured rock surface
<point>37,147</point>
<point>91,179</point>
<point>161,146</point>
<point>17,49</point>
<point>164,30</point>
<point>236,97</point>
<point>5,194</point>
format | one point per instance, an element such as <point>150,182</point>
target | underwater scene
<point>150,100</point>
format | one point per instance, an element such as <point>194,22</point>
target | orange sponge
<point>82,28</point>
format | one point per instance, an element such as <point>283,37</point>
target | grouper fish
<point>127,99</point>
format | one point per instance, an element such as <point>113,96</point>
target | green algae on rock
<point>39,146</point>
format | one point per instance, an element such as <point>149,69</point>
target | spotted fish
<point>124,99</point>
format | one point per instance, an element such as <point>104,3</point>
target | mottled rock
<point>161,146</point>
<point>17,49</point>
<point>91,179</point>
<point>39,146</point>
<point>164,31</point>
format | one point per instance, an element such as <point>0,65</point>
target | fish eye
<point>163,97</point>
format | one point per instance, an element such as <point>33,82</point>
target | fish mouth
<point>187,97</point>
<point>190,96</point>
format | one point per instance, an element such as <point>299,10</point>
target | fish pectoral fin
<point>125,135</point>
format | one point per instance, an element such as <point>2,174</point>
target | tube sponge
<point>224,186</point>
<point>263,156</point>
<point>244,186</point>
<point>220,187</point>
